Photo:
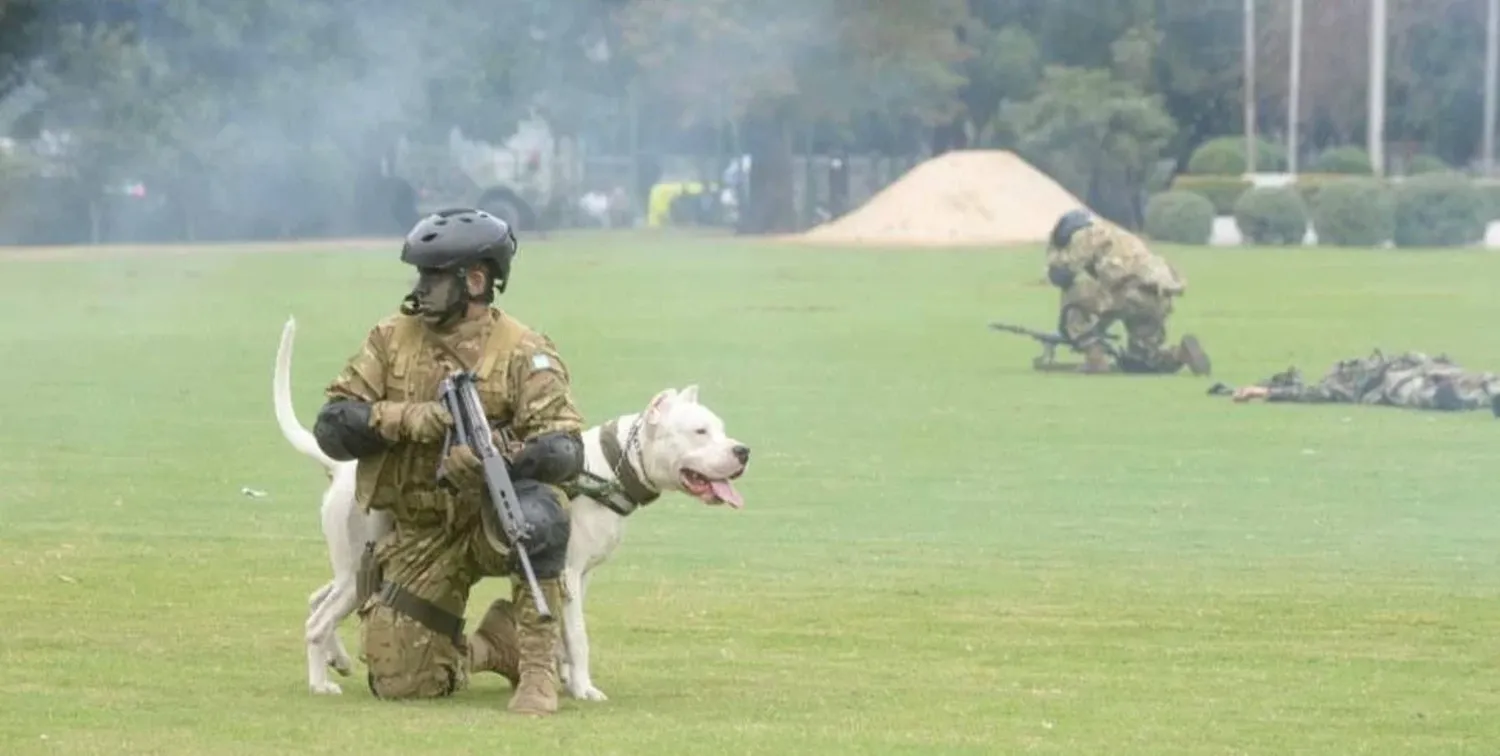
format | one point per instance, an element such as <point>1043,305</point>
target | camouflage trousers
<point>1452,392</point>
<point>438,549</point>
<point>1088,310</point>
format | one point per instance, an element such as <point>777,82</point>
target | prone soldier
<point>1413,380</point>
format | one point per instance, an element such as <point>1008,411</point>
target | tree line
<point>271,118</point>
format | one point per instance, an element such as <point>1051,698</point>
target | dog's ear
<point>689,394</point>
<point>659,405</point>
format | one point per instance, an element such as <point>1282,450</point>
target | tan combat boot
<point>494,647</point>
<point>1095,359</point>
<point>537,641</point>
<point>1191,353</point>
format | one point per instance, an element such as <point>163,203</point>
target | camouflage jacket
<point>1117,259</point>
<point>1411,379</point>
<point>522,381</point>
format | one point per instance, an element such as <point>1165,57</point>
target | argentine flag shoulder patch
<point>541,362</point>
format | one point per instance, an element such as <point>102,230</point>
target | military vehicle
<point>527,180</point>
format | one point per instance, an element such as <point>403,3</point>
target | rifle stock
<point>470,428</point>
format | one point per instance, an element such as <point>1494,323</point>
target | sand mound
<point>965,197</point>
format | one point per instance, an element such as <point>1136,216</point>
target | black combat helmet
<point>1070,223</point>
<point>459,237</point>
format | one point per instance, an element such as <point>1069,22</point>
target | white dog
<point>676,444</point>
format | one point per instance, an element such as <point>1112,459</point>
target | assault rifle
<point>1050,342</point>
<point>470,428</point>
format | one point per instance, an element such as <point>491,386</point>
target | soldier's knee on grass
<point>542,506</point>
<point>407,661</point>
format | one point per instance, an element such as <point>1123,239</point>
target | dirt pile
<point>957,198</point>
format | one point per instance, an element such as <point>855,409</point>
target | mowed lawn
<point>942,551</point>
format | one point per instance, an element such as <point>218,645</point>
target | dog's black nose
<point>742,453</point>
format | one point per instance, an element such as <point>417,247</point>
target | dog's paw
<point>342,665</point>
<point>587,693</point>
<point>326,688</point>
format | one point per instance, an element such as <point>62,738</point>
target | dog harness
<point>625,494</point>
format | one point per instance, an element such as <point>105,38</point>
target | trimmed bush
<point>1425,163</point>
<point>1345,160</point>
<point>1491,191</point>
<point>1309,184</point>
<point>1439,210</point>
<point>1267,215</point>
<point>1225,156</point>
<point>1180,218</point>
<point>1354,212</point>
<point>1221,191</point>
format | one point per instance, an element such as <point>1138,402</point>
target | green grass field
<point>942,551</point>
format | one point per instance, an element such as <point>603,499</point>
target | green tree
<point>1189,53</point>
<point>20,40</point>
<point>1197,70</point>
<point>1436,74</point>
<point>1435,65</point>
<point>779,65</point>
<point>1096,135</point>
<point>1005,67</point>
<point>102,107</point>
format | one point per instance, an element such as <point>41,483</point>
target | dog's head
<point>684,448</point>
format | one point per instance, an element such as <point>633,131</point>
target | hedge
<point>1439,210</point>
<point>1267,215</point>
<point>1425,209</point>
<point>1180,218</point>
<point>1225,156</point>
<point>1346,160</point>
<point>1490,188</point>
<point>1225,191</point>
<point>1355,212</point>
<point>1221,191</point>
<point>1309,184</point>
<point>1425,163</point>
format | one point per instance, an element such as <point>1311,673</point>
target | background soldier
<point>1413,380</point>
<point>1105,275</point>
<point>383,411</point>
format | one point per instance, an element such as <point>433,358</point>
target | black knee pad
<point>550,528</point>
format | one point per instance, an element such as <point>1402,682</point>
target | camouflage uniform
<point>1413,380</point>
<point>442,543</point>
<point>1110,275</point>
<point>383,411</point>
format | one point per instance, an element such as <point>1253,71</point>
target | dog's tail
<point>286,416</point>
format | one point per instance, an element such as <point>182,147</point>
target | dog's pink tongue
<point>725,492</point>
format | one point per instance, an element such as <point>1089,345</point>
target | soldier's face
<point>439,294</point>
